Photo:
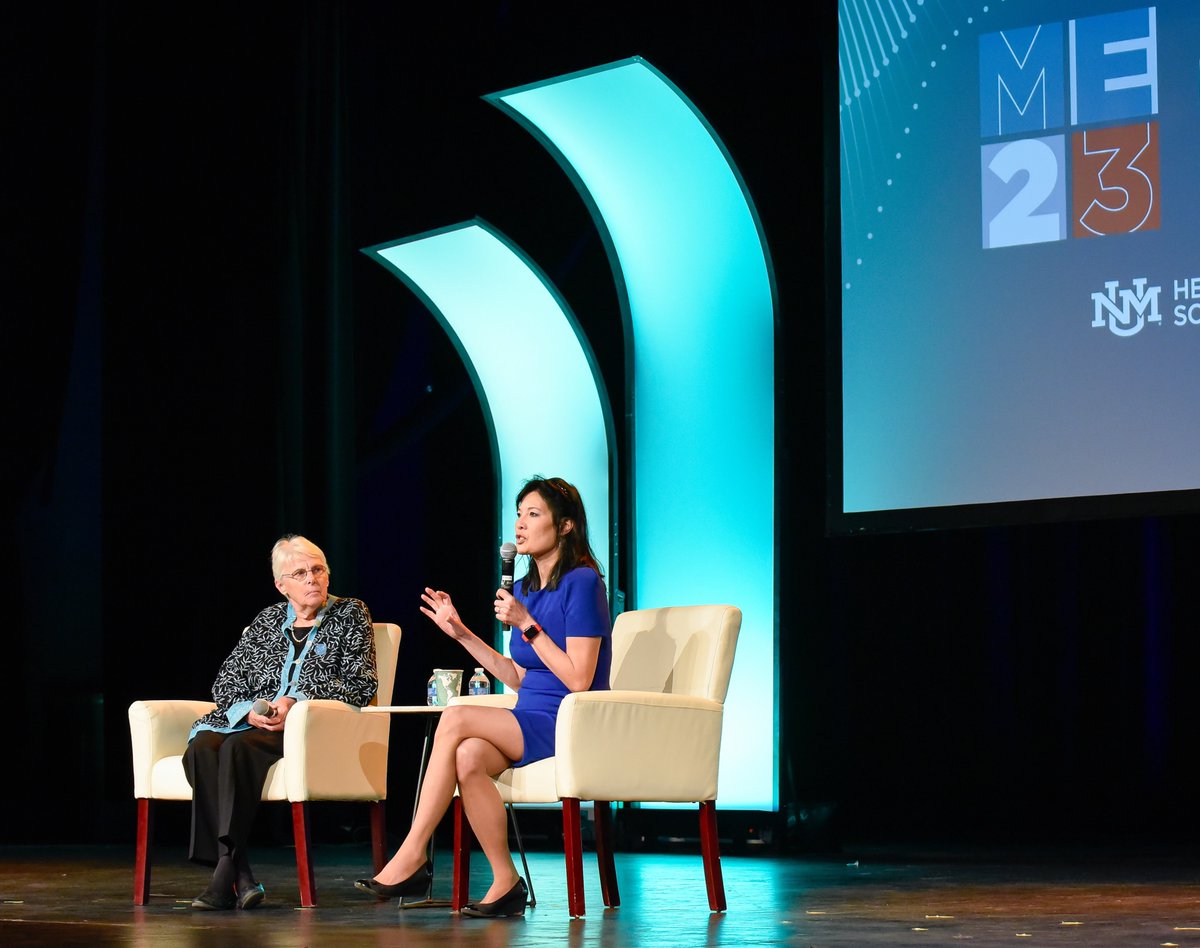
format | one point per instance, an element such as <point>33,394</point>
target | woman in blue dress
<point>561,643</point>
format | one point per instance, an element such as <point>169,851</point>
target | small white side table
<point>431,713</point>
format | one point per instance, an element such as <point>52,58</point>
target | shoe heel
<point>510,905</point>
<point>514,902</point>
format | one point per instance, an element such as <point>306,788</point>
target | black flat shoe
<point>510,905</point>
<point>250,896</point>
<point>415,884</point>
<point>210,901</point>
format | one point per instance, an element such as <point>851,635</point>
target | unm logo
<point>1126,311</point>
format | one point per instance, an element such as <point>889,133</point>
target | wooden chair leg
<point>573,850</point>
<point>378,834</point>
<point>604,854</point>
<point>462,856</point>
<point>304,870</point>
<point>710,849</point>
<point>141,859</point>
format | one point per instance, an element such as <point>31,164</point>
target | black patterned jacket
<point>337,661</point>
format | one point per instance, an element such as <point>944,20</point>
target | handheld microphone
<point>508,557</point>
<point>263,707</point>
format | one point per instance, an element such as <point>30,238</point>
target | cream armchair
<point>331,751</point>
<point>655,737</point>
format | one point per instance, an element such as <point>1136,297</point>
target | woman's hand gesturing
<point>441,610</point>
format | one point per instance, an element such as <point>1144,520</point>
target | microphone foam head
<point>508,551</point>
<point>261,706</point>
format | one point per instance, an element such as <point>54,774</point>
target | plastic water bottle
<point>479,684</point>
<point>431,691</point>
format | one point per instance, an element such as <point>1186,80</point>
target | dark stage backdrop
<point>199,359</point>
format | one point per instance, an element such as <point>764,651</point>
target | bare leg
<point>496,726</point>
<point>478,762</point>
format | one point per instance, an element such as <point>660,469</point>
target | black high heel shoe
<point>511,904</point>
<point>415,884</point>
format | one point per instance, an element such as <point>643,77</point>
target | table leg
<point>426,901</point>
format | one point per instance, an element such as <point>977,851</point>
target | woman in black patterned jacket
<point>312,645</point>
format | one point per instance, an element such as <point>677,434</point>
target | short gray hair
<point>287,548</point>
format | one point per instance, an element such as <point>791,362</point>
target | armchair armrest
<point>636,745</point>
<point>335,752</point>
<point>159,729</point>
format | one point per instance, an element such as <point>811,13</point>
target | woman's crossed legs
<point>472,745</point>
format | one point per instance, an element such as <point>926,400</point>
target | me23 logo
<point>1092,83</point>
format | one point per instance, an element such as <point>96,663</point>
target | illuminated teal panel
<point>510,326</point>
<point>695,282</point>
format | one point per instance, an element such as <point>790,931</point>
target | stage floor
<point>880,896</point>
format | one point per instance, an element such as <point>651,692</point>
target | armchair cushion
<point>506,699</point>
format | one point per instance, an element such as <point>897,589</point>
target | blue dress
<point>578,607</point>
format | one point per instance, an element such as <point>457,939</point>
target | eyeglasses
<point>301,575</point>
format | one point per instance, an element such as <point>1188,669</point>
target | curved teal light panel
<point>521,346</point>
<point>695,281</point>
